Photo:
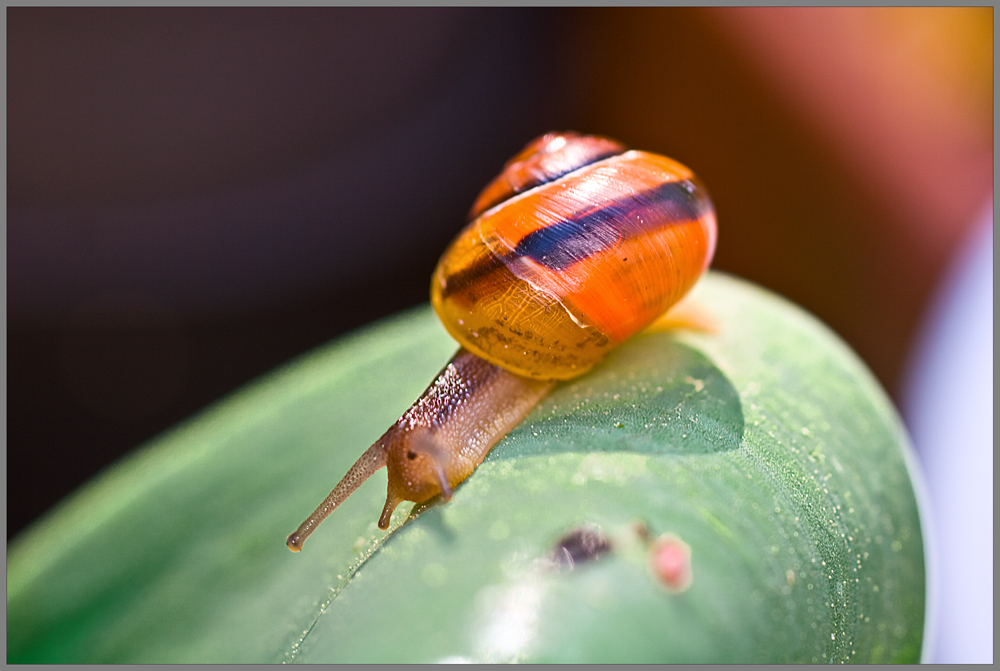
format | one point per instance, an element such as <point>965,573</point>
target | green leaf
<point>768,448</point>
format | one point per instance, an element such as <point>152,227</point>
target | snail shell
<point>576,246</point>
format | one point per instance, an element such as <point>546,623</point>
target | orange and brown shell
<point>576,246</point>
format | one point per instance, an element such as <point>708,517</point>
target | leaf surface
<point>767,447</point>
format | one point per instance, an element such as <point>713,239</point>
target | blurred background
<point>195,196</point>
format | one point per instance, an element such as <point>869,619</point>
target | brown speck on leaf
<point>581,545</point>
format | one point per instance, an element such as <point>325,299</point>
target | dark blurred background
<point>195,196</point>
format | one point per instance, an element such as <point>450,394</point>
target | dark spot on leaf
<point>581,545</point>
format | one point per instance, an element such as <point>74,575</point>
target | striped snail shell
<point>576,246</point>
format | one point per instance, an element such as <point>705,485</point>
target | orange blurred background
<point>847,150</point>
<point>197,195</point>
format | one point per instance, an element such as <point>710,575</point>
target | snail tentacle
<point>373,459</point>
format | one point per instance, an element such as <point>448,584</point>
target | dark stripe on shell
<point>564,243</point>
<point>570,240</point>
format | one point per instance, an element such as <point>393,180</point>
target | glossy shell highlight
<point>572,261</point>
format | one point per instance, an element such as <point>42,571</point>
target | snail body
<point>576,246</point>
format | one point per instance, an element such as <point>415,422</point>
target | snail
<point>576,246</point>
